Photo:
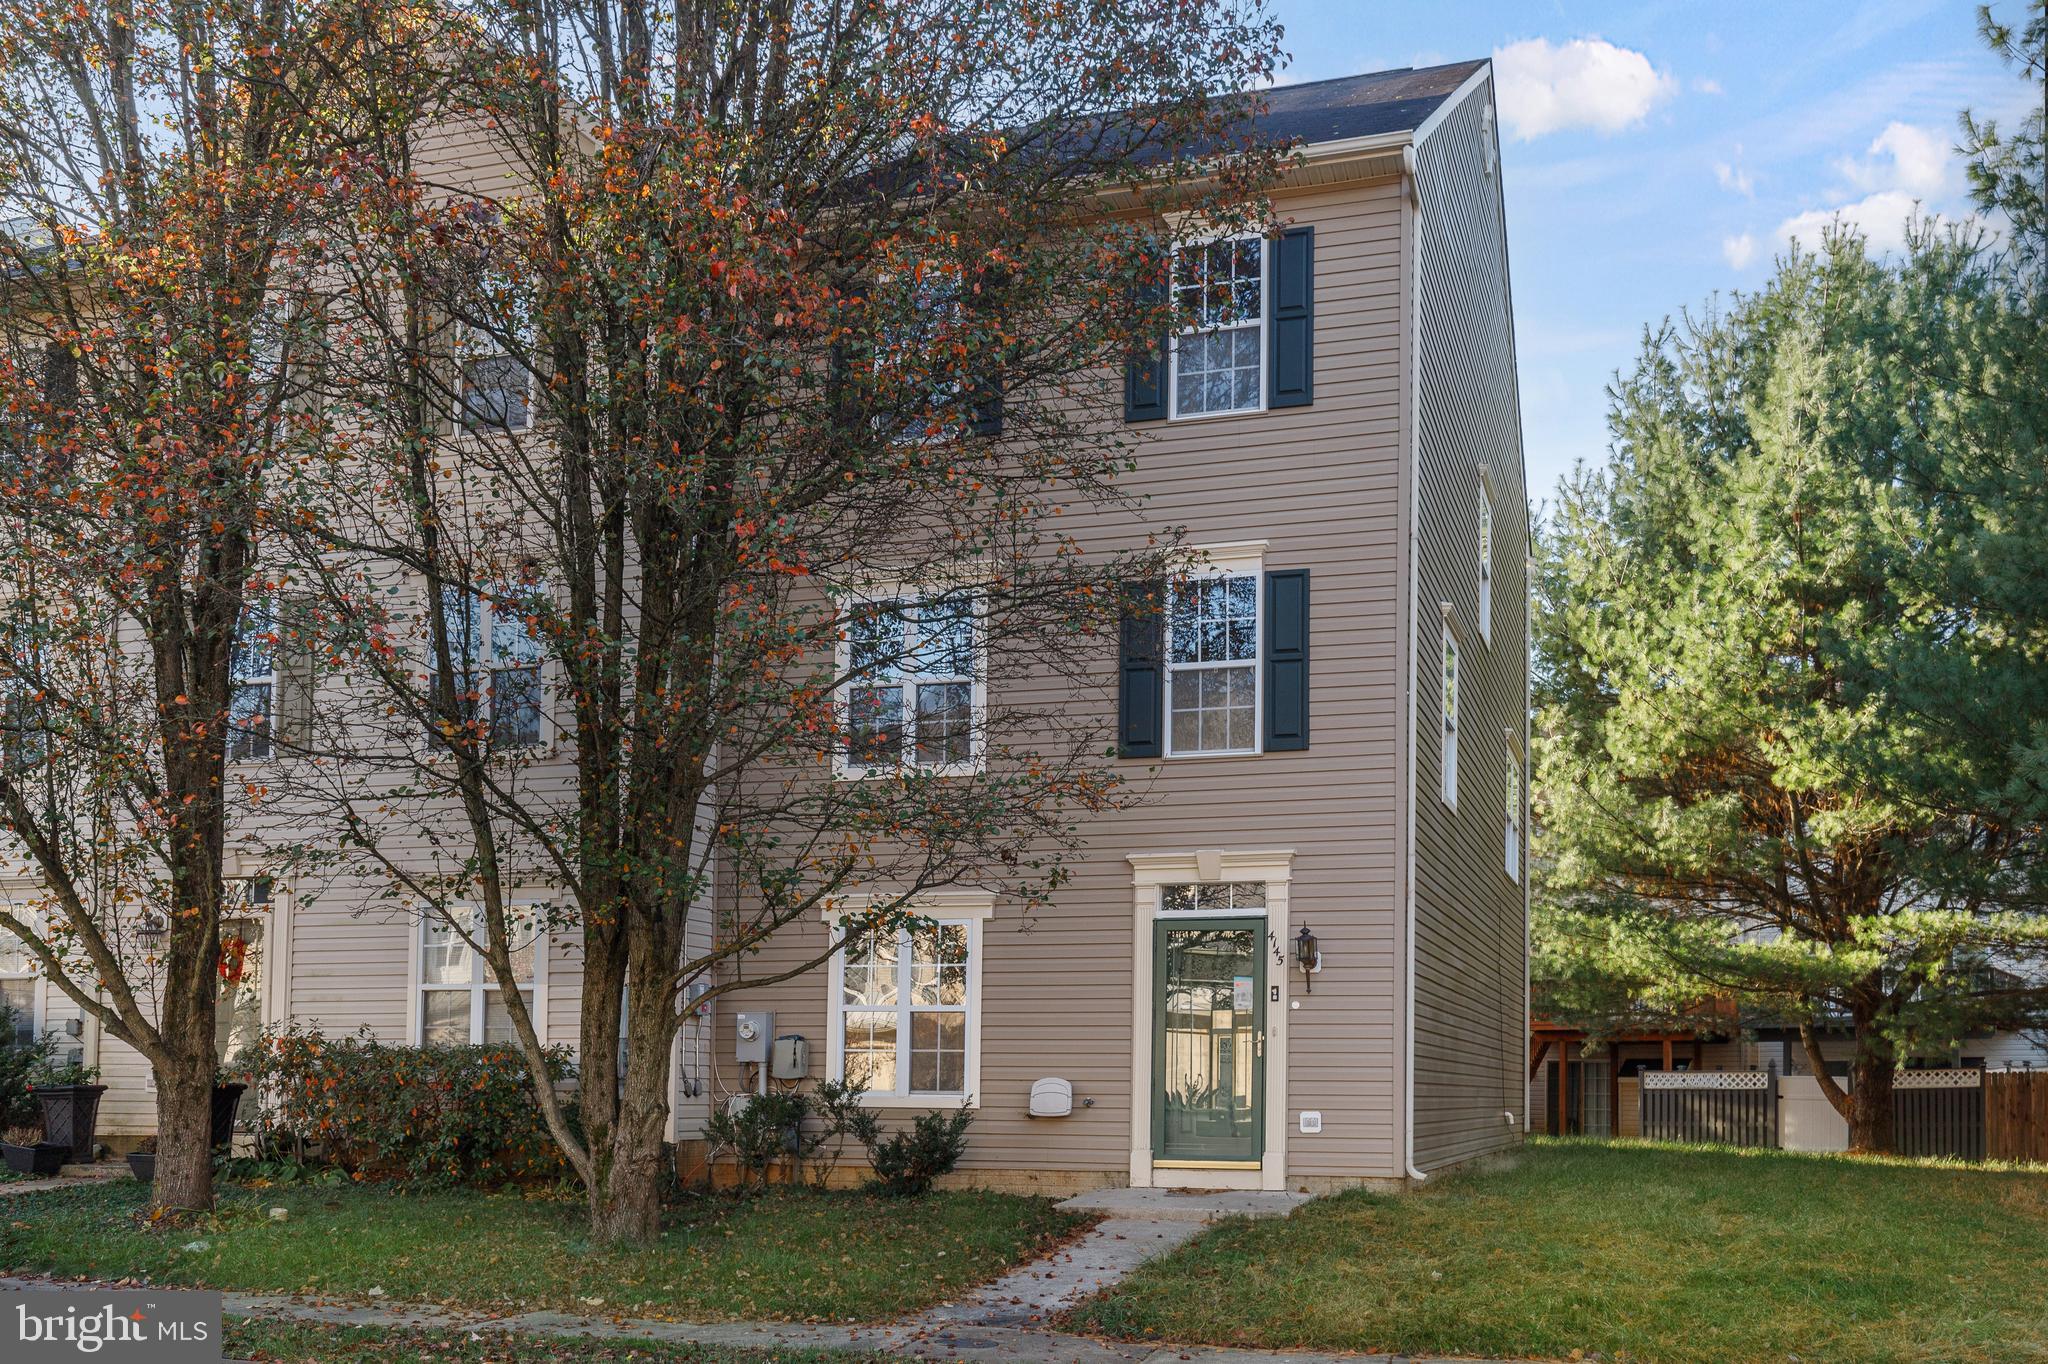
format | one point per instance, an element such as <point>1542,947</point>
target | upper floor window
<point>905,1007</point>
<point>1212,664</point>
<point>26,725</point>
<point>1450,717</point>
<point>1485,561</point>
<point>1512,847</point>
<point>252,686</point>
<point>913,363</point>
<point>459,1001</point>
<point>495,660</point>
<point>496,392</point>
<point>912,694</point>
<point>1219,361</point>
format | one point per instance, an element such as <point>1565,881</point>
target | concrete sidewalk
<point>919,1338</point>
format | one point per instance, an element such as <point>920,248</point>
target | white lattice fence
<point>1938,1079</point>
<point>1708,1079</point>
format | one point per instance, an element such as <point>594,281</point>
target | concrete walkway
<point>1138,1225</point>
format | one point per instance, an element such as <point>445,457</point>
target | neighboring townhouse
<point>1301,962</point>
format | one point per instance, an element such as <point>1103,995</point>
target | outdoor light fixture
<point>1310,954</point>
<point>155,923</point>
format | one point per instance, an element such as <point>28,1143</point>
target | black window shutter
<point>1141,672</point>
<point>1145,370</point>
<point>60,377</point>
<point>987,415</point>
<point>1291,316</point>
<point>1287,660</point>
<point>985,396</point>
<point>838,401</point>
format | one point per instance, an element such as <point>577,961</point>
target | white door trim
<point>1150,871</point>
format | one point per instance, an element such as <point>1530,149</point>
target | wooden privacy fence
<point>2016,1115</point>
<point>1938,1113</point>
<point>1960,1114</point>
<point>1732,1108</point>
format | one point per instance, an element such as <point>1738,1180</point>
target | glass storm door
<point>1209,1041</point>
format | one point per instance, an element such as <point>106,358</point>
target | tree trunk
<point>625,1194</point>
<point>628,1142</point>
<point>1870,1103</point>
<point>184,1139</point>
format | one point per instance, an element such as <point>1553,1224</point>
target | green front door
<point>1209,1041</point>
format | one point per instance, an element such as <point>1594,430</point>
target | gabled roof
<point>1371,105</point>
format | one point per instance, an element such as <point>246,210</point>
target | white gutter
<point>1414,655</point>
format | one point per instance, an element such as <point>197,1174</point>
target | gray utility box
<point>791,1059</point>
<point>751,1034</point>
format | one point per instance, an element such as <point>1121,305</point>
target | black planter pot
<point>43,1158</point>
<point>70,1112</point>
<point>142,1164</point>
<point>226,1098</point>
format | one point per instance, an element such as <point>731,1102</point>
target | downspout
<point>1528,786</point>
<point>1410,174</point>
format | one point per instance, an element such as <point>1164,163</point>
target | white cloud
<point>1905,157</point>
<point>1908,170</point>
<point>1880,217</point>
<point>1735,180</point>
<point>1739,251</point>
<point>1585,83</point>
<point>1707,85</point>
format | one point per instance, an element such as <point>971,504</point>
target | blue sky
<point>1656,154</point>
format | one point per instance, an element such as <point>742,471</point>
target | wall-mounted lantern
<point>1309,955</point>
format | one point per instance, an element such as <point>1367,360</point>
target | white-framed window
<point>1218,361</point>
<point>912,359</point>
<point>25,728</point>
<point>497,662</point>
<point>1214,636</point>
<point>1485,559</point>
<point>18,985</point>
<point>1511,850</point>
<point>459,998</point>
<point>252,686</point>
<point>914,692</point>
<point>1213,897</point>
<point>1449,698</point>
<point>905,1011</point>
<point>495,389</point>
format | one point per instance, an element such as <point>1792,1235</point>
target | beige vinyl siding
<point>1322,485</point>
<point>1471,1034</point>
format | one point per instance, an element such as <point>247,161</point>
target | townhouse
<point>1301,962</point>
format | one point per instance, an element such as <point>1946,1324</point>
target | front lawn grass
<point>286,1342</point>
<point>1660,1255</point>
<point>787,1254</point>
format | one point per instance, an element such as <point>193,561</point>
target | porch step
<point>1186,1205</point>
<point>104,1169</point>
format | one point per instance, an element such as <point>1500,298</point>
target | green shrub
<point>908,1163</point>
<point>23,1065</point>
<point>808,1130</point>
<point>422,1115</point>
